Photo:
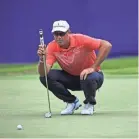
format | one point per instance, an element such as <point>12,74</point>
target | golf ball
<point>19,127</point>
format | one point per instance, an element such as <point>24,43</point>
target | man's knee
<point>52,77</point>
<point>88,82</point>
<point>43,80</point>
<point>92,77</point>
<point>95,80</point>
<point>96,77</point>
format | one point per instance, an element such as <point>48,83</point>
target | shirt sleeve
<point>50,57</point>
<point>90,42</point>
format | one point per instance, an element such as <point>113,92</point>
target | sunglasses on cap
<point>59,33</point>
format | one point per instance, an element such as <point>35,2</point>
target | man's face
<point>61,38</point>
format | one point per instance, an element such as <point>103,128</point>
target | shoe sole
<point>87,114</point>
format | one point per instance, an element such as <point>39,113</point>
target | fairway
<point>23,100</point>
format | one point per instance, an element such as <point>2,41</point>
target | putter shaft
<point>45,69</point>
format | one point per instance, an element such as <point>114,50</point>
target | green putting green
<point>23,100</point>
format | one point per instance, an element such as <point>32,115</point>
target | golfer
<point>80,67</point>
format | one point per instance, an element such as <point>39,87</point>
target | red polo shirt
<point>79,56</point>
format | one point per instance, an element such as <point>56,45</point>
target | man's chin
<point>61,43</point>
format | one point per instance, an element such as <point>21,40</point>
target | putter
<point>48,114</point>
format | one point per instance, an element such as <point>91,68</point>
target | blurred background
<point>20,21</point>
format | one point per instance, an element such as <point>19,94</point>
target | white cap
<point>60,25</point>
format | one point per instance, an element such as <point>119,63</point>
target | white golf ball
<point>19,127</point>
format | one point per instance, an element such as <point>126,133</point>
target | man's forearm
<point>103,53</point>
<point>41,69</point>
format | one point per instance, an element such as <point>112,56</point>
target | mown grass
<point>127,65</point>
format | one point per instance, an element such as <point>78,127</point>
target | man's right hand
<point>41,51</point>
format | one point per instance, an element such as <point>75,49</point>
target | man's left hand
<point>85,72</point>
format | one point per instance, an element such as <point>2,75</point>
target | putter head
<point>48,115</point>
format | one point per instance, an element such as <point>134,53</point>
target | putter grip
<point>41,37</point>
